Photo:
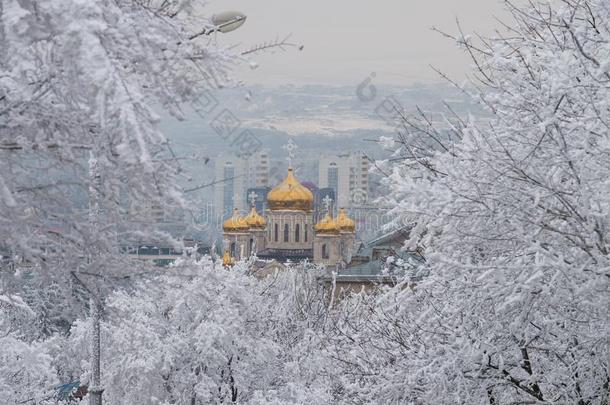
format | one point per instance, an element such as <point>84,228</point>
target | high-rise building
<point>147,211</point>
<point>233,176</point>
<point>154,212</point>
<point>348,176</point>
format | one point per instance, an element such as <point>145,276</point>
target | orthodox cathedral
<point>287,232</point>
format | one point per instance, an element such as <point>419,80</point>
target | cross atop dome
<point>327,202</point>
<point>290,147</point>
<point>252,198</point>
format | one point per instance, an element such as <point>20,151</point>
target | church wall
<point>291,218</point>
<point>348,240</point>
<point>331,242</point>
<point>236,243</point>
<point>259,236</point>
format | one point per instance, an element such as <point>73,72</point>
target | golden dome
<point>327,225</point>
<point>227,260</point>
<point>235,223</point>
<point>344,222</point>
<point>254,220</point>
<point>290,195</point>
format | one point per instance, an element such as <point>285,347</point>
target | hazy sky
<point>346,40</point>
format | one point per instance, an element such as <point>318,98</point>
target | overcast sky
<point>346,40</point>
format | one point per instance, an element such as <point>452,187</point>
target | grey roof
<point>380,271</point>
<point>286,254</point>
<point>361,278</point>
<point>370,268</point>
<point>401,233</point>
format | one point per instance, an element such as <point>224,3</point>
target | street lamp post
<point>95,301</point>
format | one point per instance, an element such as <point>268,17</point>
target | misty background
<point>311,95</point>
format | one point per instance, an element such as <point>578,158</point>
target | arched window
<point>324,251</point>
<point>251,245</point>
<point>286,231</point>
<point>305,233</point>
<point>297,233</point>
<point>232,249</point>
<point>276,232</point>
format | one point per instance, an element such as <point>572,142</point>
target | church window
<point>297,233</point>
<point>286,232</point>
<point>324,251</point>
<point>276,232</point>
<point>305,233</point>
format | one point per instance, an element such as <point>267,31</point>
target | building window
<point>286,231</point>
<point>251,245</point>
<point>332,174</point>
<point>305,233</point>
<point>324,251</point>
<point>276,232</point>
<point>297,231</point>
<point>232,249</point>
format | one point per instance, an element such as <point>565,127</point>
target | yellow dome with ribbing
<point>254,220</point>
<point>327,225</point>
<point>290,195</point>
<point>235,223</point>
<point>344,222</point>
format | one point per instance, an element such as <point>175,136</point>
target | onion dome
<point>327,225</point>
<point>254,220</point>
<point>344,222</point>
<point>290,195</point>
<point>227,260</point>
<point>235,223</point>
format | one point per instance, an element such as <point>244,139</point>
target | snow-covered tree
<point>79,142</point>
<point>513,213</point>
<point>201,334</point>
<point>78,83</point>
<point>27,374</point>
<point>82,77</point>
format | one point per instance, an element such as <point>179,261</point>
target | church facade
<point>287,232</point>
